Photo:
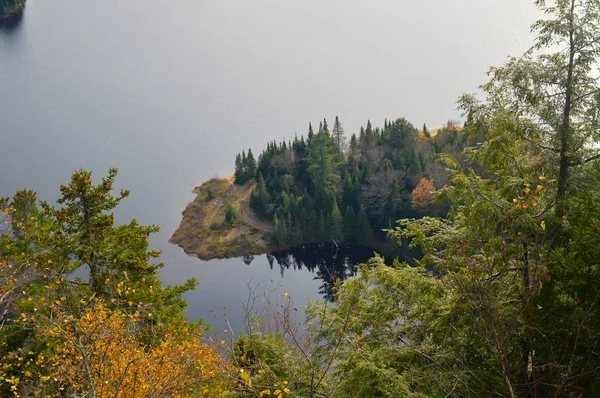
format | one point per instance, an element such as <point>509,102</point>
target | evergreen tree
<point>323,232</point>
<point>277,233</point>
<point>349,225</point>
<point>322,165</point>
<point>238,169</point>
<point>338,136</point>
<point>362,136</point>
<point>250,165</point>
<point>364,231</point>
<point>426,132</point>
<point>324,128</point>
<point>260,197</point>
<point>82,231</point>
<point>290,229</point>
<point>369,130</point>
<point>310,133</point>
<point>556,95</point>
<point>337,224</point>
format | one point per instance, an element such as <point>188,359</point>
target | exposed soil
<point>204,232</point>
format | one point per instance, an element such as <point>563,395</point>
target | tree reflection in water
<point>11,24</point>
<point>329,262</point>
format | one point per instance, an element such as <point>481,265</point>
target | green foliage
<point>210,194</point>
<point>337,134</point>
<point>83,232</point>
<point>301,183</point>
<point>47,244</point>
<point>322,165</point>
<point>264,359</point>
<point>542,111</point>
<point>337,224</point>
<point>230,214</point>
<point>505,301</point>
<point>245,168</point>
<point>374,316</point>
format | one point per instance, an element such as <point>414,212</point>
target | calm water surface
<point>170,92</point>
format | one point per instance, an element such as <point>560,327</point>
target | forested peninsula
<point>324,188</point>
<point>11,8</point>
<point>505,301</point>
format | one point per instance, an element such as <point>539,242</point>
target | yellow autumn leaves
<point>99,352</point>
<point>280,390</point>
<point>530,197</point>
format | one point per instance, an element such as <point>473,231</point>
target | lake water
<point>169,92</point>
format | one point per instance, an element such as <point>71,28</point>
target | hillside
<point>204,231</point>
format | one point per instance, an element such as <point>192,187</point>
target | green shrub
<point>230,214</point>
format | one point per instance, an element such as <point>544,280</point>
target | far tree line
<point>9,7</point>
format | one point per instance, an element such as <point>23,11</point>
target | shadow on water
<point>330,263</point>
<point>11,24</point>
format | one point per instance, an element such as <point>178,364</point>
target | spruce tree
<point>250,166</point>
<point>325,127</point>
<point>323,227</point>
<point>84,232</point>
<point>349,225</point>
<point>337,224</point>
<point>238,169</point>
<point>323,166</point>
<point>276,234</point>
<point>338,136</point>
<point>364,230</point>
<point>426,132</point>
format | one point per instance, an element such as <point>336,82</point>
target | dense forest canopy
<point>322,188</point>
<point>505,302</point>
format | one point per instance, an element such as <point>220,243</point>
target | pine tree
<point>338,136</point>
<point>364,231</point>
<point>259,197</point>
<point>323,166</point>
<point>337,224</point>
<point>250,166</point>
<point>353,144</point>
<point>323,227</point>
<point>362,136</point>
<point>290,229</point>
<point>426,132</point>
<point>238,169</point>
<point>83,232</point>
<point>276,234</point>
<point>349,225</point>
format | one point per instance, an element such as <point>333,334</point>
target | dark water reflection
<point>329,263</point>
<point>11,25</point>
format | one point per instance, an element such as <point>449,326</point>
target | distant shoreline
<point>13,14</point>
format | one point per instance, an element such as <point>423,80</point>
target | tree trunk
<point>563,175</point>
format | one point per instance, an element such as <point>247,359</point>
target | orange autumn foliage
<point>422,194</point>
<point>98,354</point>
